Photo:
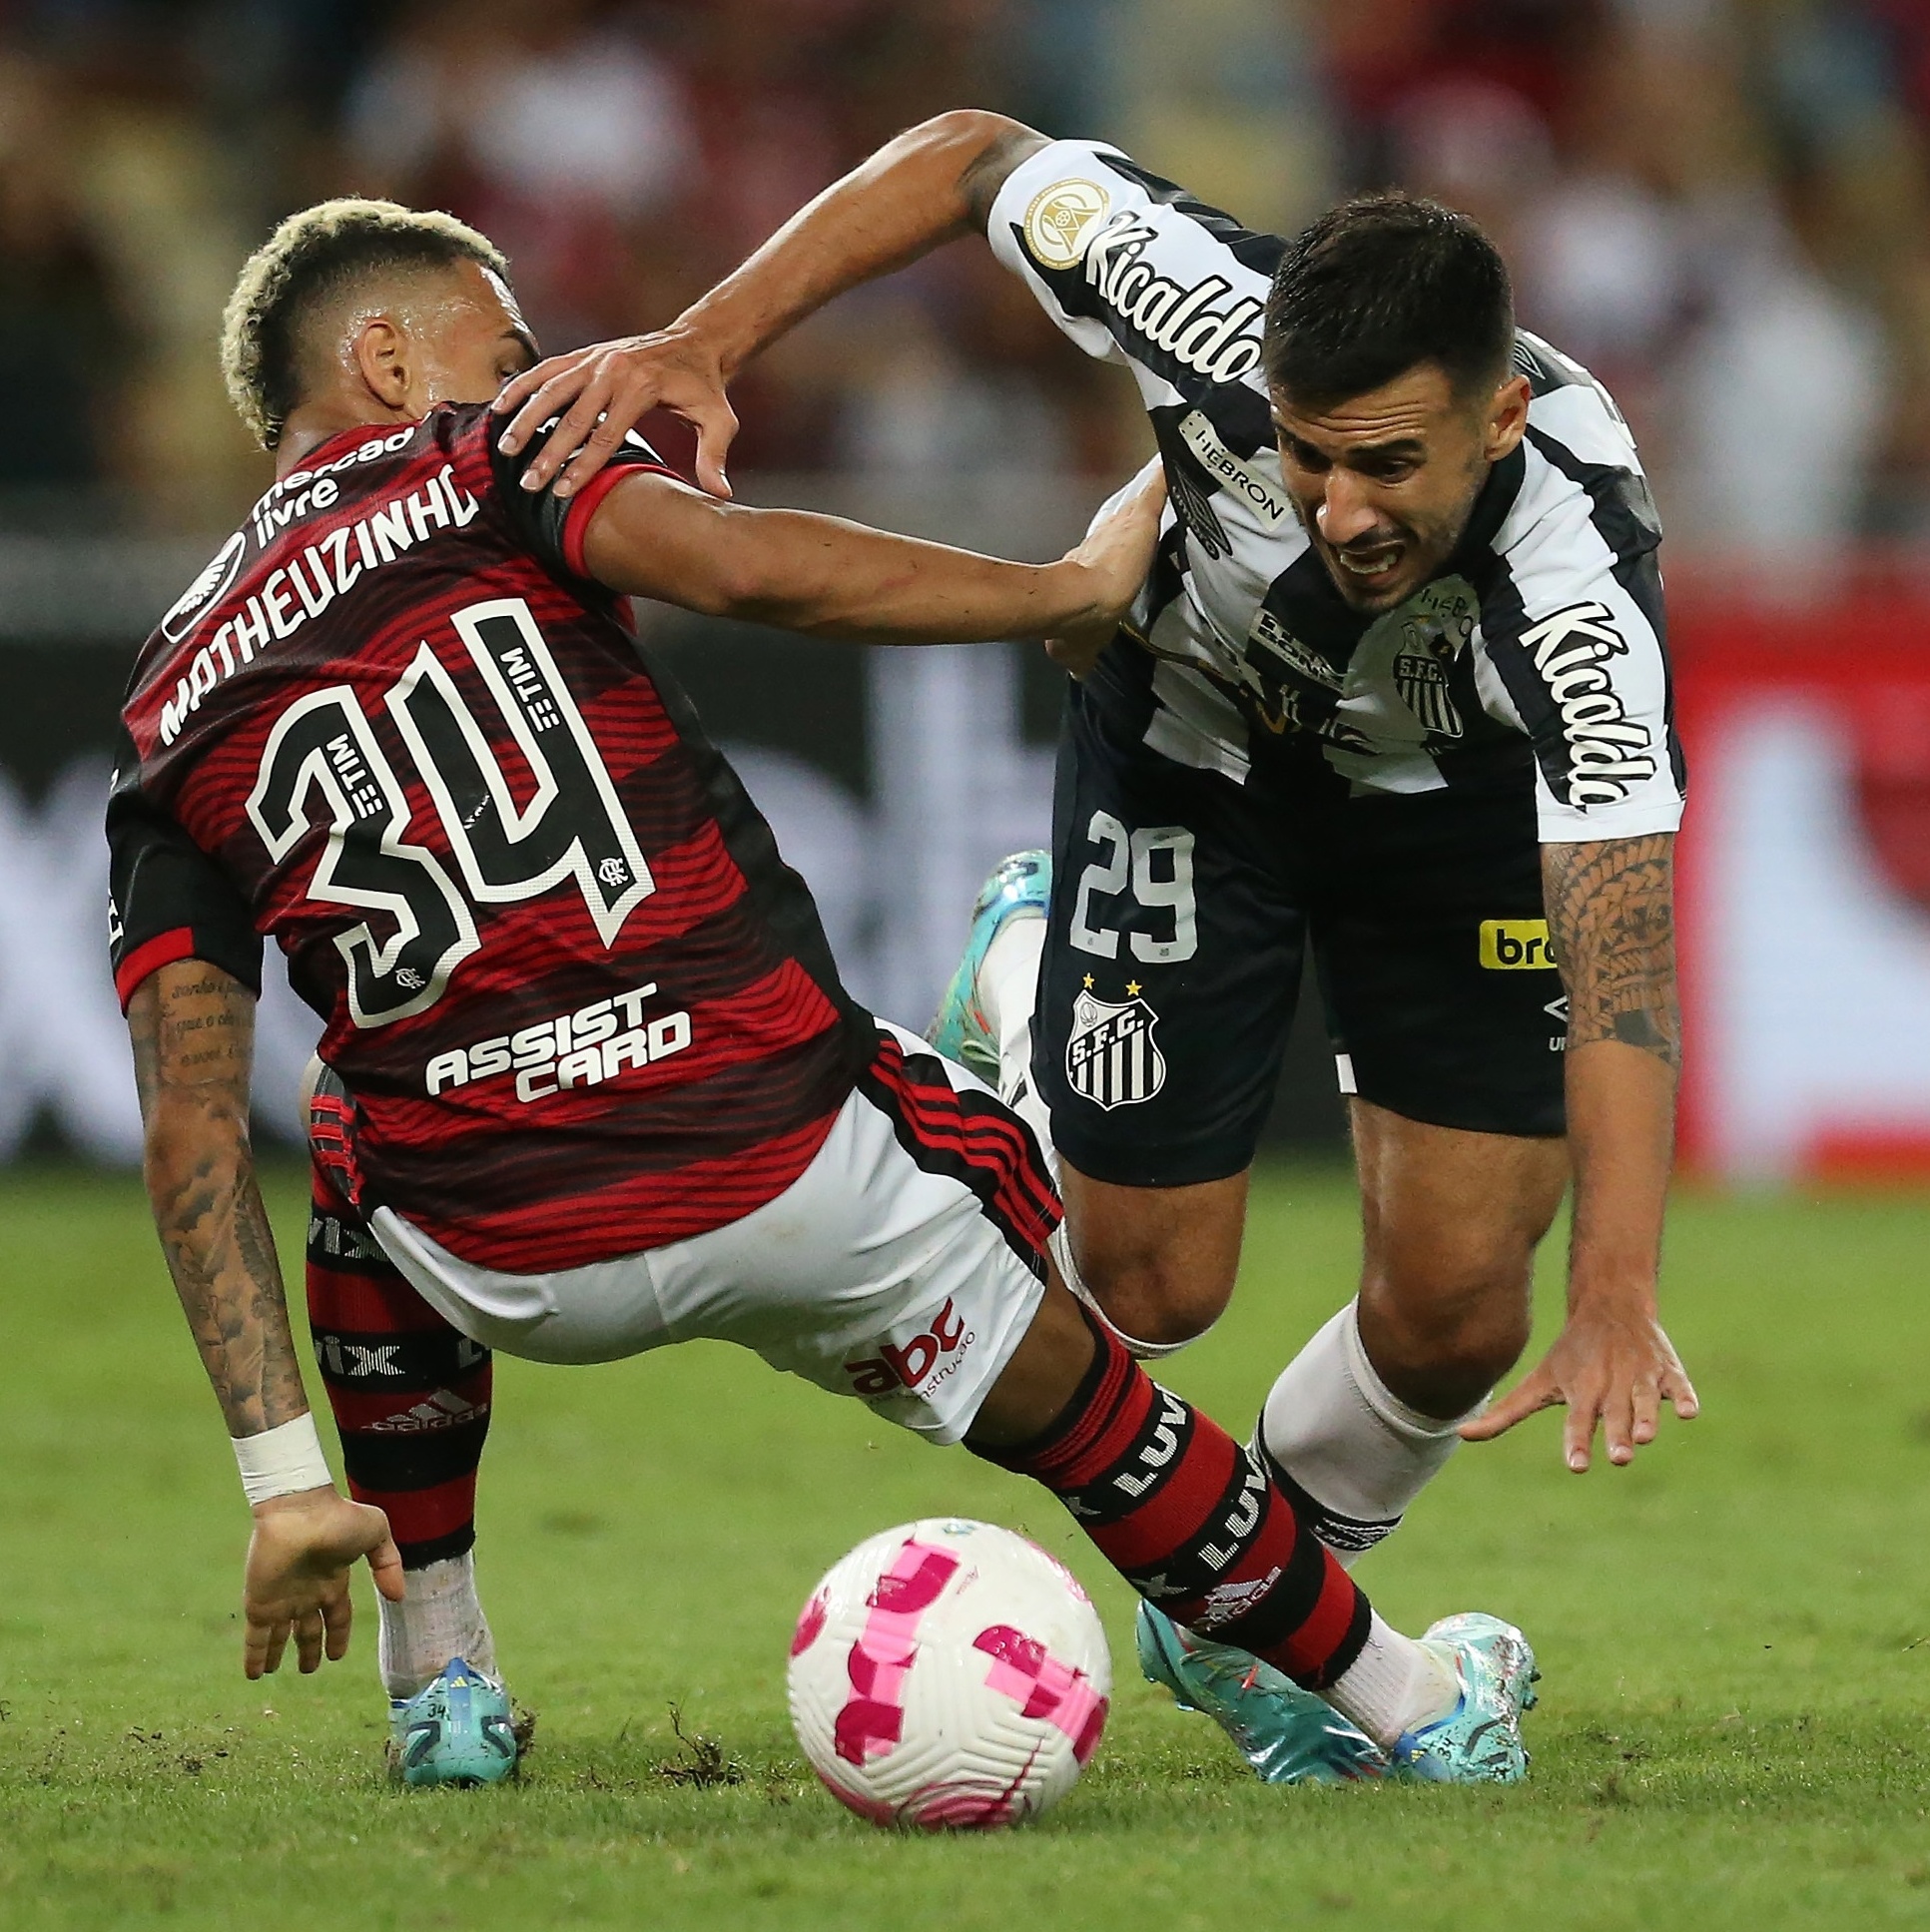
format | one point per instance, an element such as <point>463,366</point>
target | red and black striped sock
<point>1192,1522</point>
<point>410,1394</point>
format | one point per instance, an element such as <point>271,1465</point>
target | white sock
<point>1007,989</point>
<point>1394,1685</point>
<point>1351,1448</point>
<point>439,1619</point>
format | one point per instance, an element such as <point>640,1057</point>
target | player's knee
<point>1479,1350</point>
<point>1440,1344</point>
<point>1161,1297</point>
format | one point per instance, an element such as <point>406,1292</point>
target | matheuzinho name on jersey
<point>311,580</point>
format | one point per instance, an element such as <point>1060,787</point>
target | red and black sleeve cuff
<point>584,507</point>
<point>180,943</point>
<point>149,957</point>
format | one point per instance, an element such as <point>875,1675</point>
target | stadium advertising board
<point>895,779</point>
<point>1806,894</point>
<point>890,810</point>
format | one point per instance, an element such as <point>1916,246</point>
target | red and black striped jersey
<point>581,1004</point>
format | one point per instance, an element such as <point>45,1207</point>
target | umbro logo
<point>1557,1010</point>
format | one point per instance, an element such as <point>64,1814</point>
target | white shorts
<point>903,1266</point>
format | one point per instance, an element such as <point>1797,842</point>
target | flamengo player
<point>591,1082</point>
<point>1395,693</point>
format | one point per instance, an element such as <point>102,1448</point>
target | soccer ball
<point>949,1674</point>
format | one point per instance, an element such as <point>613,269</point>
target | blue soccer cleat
<point>457,1729</point>
<point>1287,1735</point>
<point>1020,886</point>
<point>1480,1740</point>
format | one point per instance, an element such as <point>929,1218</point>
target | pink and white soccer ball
<point>949,1674</point>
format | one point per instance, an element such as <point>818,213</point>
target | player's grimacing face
<point>1384,482</point>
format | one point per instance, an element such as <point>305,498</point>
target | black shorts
<point>1182,908</point>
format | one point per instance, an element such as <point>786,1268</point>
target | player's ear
<point>1507,418</point>
<point>383,358</point>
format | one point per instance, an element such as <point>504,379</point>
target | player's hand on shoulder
<point>603,392</point>
<point>1612,1367</point>
<point>296,1581</point>
<point>1117,550</point>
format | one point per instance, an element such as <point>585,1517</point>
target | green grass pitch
<point>1735,1634</point>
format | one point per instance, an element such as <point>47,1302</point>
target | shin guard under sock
<point>410,1394</point>
<point>1343,1445</point>
<point>1193,1523</point>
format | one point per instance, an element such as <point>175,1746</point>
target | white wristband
<point>279,1462</point>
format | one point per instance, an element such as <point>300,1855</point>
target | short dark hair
<point>1381,284</point>
<point>315,256</point>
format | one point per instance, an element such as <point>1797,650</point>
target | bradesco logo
<point>919,1364</point>
<point>1516,946</point>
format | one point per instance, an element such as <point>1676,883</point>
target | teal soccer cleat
<point>1022,883</point>
<point>1480,1740</point>
<point>455,1730</point>
<point>1287,1735</point>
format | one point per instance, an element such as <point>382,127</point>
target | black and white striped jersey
<point>1537,654</point>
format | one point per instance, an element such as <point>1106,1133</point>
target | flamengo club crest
<point>1112,1059</point>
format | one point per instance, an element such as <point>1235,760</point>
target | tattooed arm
<point>193,1028</point>
<point>1610,914</point>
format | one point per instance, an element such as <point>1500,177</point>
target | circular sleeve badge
<point>1060,220</point>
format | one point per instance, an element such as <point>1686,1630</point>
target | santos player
<point>591,1082</point>
<point>1396,691</point>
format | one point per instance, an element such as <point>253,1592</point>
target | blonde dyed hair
<point>314,257</point>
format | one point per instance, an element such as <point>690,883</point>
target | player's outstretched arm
<point>932,183</point>
<point>1611,913</point>
<point>653,537</point>
<point>193,1030</point>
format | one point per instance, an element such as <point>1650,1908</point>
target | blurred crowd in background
<point>1721,205</point>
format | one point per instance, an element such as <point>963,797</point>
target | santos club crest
<point>1110,1058</point>
<point>1422,686</point>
